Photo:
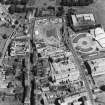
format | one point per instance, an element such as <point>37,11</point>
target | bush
<point>102,87</point>
<point>0,54</point>
<point>4,36</point>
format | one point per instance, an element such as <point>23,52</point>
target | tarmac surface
<point>99,8</point>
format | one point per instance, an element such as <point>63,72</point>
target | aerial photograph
<point>52,52</point>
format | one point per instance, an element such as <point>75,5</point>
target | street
<point>81,70</point>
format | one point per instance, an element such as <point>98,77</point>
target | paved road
<point>31,29</point>
<point>78,62</point>
<point>31,47</point>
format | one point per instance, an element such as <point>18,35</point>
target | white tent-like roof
<point>102,41</point>
<point>77,103</point>
<point>100,33</point>
<point>99,30</point>
<point>100,36</point>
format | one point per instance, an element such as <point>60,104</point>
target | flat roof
<point>83,19</point>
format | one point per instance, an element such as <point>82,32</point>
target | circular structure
<point>83,43</point>
<point>75,40</point>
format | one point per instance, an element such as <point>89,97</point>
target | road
<point>30,65</point>
<point>31,47</point>
<point>78,62</point>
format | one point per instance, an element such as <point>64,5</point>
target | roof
<point>99,30</point>
<point>100,33</point>
<point>83,19</point>
<point>100,36</point>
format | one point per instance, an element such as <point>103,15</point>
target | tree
<point>88,67</point>
<point>102,87</point>
<point>60,11</point>
<point>50,60</point>
<point>9,49</point>
<point>97,49</point>
<point>57,101</point>
<point>39,55</point>
<point>4,36</point>
<point>11,9</point>
<point>0,54</point>
<point>42,101</point>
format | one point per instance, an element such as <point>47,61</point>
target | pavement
<point>82,71</point>
<point>78,62</point>
<point>99,9</point>
<point>30,77</point>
